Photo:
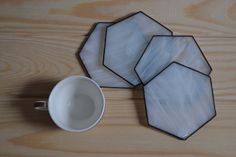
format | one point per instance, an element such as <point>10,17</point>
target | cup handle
<point>41,105</point>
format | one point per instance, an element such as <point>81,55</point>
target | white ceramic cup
<point>75,104</point>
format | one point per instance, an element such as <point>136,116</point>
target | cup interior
<point>76,103</point>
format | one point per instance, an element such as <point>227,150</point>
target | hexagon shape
<point>164,49</point>
<point>179,100</point>
<point>91,55</point>
<point>125,42</point>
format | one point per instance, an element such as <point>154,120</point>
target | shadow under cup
<point>76,104</point>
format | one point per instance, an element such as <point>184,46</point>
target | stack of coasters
<point>138,50</point>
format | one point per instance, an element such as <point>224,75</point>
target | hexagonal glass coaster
<point>162,50</point>
<point>92,56</point>
<point>125,42</point>
<point>179,100</point>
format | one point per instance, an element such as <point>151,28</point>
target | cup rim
<point>69,129</point>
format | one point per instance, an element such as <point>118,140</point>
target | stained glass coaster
<point>125,42</point>
<point>162,50</point>
<point>92,56</point>
<point>179,100</point>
